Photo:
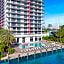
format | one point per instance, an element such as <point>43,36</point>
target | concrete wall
<point>27,39</point>
<point>45,34</point>
<point>20,40</point>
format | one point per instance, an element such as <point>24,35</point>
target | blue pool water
<point>32,44</point>
<point>51,57</point>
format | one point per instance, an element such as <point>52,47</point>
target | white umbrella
<point>31,46</point>
<point>53,43</point>
<point>43,44</point>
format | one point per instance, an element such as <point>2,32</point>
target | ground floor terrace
<point>28,38</point>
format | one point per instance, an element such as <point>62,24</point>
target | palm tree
<point>6,37</point>
<point>49,26</point>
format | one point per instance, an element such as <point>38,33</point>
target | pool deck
<point>17,52</point>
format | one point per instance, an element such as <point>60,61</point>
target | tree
<point>58,36</point>
<point>60,33</point>
<point>5,40</point>
<point>49,26</point>
<point>6,37</point>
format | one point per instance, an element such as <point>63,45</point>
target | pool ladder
<point>8,59</point>
<point>18,58</point>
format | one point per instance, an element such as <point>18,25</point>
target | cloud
<point>54,20</point>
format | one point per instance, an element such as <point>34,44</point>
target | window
<point>25,11</point>
<point>39,21</point>
<point>13,5</point>
<point>35,32</point>
<point>35,9</point>
<point>31,0</point>
<point>25,27</point>
<point>18,15</point>
<point>25,7</point>
<point>36,21</point>
<point>31,21</point>
<point>35,17</point>
<point>25,3</point>
<point>39,2</point>
<point>35,5</point>
<point>39,38</point>
<point>14,28</point>
<point>39,13</point>
<point>19,11</point>
<point>18,32</point>
<point>39,6</point>
<point>31,16</point>
<point>25,32</point>
<point>35,38</point>
<point>31,12</point>
<point>18,2</point>
<point>39,17</point>
<point>13,10</point>
<point>31,32</point>
<point>35,25</point>
<point>18,6</point>
<point>35,13</point>
<point>25,24</point>
<point>25,20</point>
<point>25,16</point>
<point>31,39</point>
<point>13,19</point>
<point>31,4</point>
<point>18,19</point>
<point>13,14</point>
<point>31,8</point>
<point>18,28</point>
<point>25,0</point>
<point>35,1</point>
<point>39,10</point>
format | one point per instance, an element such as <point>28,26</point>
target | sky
<point>54,12</point>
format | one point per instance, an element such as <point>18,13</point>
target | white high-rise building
<point>23,18</point>
<point>58,26</point>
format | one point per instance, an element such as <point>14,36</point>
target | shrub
<point>4,48</point>
<point>10,50</point>
<point>45,38</point>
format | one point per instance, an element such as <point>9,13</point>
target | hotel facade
<point>23,18</point>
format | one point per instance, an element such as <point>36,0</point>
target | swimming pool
<point>51,57</point>
<point>30,45</point>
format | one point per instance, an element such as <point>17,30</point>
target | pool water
<point>51,57</point>
<point>32,44</point>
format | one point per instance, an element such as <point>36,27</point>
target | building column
<point>1,13</point>
<point>20,40</point>
<point>27,39</point>
<point>28,16</point>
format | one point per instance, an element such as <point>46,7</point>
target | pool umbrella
<point>26,44</point>
<point>36,45</point>
<point>43,44</point>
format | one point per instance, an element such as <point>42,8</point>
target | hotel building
<point>23,18</point>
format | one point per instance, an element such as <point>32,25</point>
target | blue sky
<point>54,12</point>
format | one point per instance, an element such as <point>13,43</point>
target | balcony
<point>25,29</point>
<point>21,13</point>
<point>16,8</point>
<point>17,3</point>
<point>13,29</point>
<point>14,16</point>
